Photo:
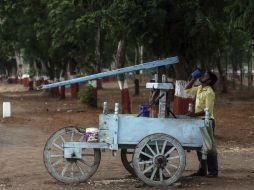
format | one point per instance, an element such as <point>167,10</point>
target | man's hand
<point>202,113</point>
<point>190,83</point>
<point>190,114</point>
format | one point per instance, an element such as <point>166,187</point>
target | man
<point>205,97</point>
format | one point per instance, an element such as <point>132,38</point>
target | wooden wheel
<point>126,157</point>
<point>70,170</point>
<point>159,160</point>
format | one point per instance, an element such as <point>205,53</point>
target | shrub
<point>87,96</point>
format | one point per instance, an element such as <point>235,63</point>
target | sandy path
<point>35,117</point>
<point>22,166</point>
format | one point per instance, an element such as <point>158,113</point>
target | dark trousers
<point>211,164</point>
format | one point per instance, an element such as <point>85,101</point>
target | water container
<point>196,74</point>
<point>6,109</point>
<point>143,109</point>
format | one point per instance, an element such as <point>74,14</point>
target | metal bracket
<point>73,153</point>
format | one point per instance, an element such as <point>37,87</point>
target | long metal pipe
<point>149,65</point>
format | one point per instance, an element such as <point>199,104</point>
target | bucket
<point>91,135</point>
<point>6,109</point>
<point>143,109</point>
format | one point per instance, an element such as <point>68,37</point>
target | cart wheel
<point>71,170</point>
<point>159,160</point>
<point>126,157</point>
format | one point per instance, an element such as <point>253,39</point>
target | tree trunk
<point>222,74</point>
<point>241,70</point>
<point>44,68</point>
<point>98,55</point>
<point>14,71</point>
<point>136,80</point>
<point>181,99</point>
<point>138,56</point>
<point>250,78</point>
<point>19,62</point>
<point>74,90</point>
<point>136,89</point>
<point>71,70</point>
<point>226,71</point>
<point>120,62</point>
<point>180,69</point>
<point>233,69</point>
<point>48,68</point>
<point>62,77</point>
<point>62,92</point>
<point>31,84</point>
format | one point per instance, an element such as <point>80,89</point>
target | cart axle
<point>160,161</point>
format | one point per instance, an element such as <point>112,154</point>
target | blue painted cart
<point>157,145</point>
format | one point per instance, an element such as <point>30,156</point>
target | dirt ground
<point>35,117</point>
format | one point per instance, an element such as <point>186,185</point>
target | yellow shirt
<point>204,98</point>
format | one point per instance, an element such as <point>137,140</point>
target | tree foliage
<point>84,35</point>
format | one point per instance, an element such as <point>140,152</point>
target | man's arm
<point>190,84</point>
<point>190,89</point>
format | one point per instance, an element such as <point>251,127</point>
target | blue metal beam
<point>149,65</point>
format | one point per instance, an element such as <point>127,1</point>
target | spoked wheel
<point>126,157</point>
<point>70,170</point>
<point>159,160</point>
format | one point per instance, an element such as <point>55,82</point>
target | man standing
<point>205,97</point>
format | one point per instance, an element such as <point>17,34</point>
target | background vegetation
<point>84,36</point>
